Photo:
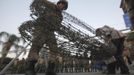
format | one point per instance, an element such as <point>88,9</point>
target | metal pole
<point>46,59</point>
<point>11,62</point>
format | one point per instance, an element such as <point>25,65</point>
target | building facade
<point>128,7</point>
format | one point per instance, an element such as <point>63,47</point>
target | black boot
<point>111,68</point>
<point>123,67</point>
<point>29,67</point>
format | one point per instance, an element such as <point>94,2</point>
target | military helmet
<point>64,2</point>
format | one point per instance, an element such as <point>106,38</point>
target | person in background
<point>126,55</point>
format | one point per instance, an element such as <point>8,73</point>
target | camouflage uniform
<point>47,23</point>
<point>117,38</point>
<point>49,18</point>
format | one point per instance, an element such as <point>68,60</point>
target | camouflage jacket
<point>50,17</point>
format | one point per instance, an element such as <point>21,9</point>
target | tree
<point>10,40</point>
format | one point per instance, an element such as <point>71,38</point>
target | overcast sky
<point>94,12</point>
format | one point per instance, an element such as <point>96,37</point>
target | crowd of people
<point>63,64</point>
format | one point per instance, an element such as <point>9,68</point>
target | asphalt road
<point>88,73</point>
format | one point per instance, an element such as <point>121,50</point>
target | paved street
<point>89,73</point>
<point>74,74</point>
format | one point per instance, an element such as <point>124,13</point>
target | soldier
<point>117,38</point>
<point>48,21</point>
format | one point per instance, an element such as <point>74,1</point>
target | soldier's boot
<point>29,67</point>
